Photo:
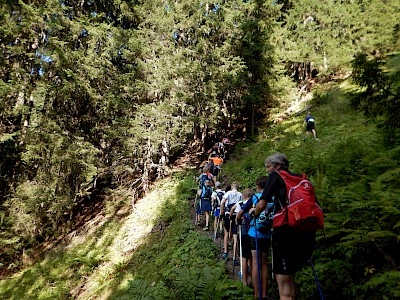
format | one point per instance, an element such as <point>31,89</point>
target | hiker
<point>245,250</point>
<point>205,201</point>
<point>212,170</point>
<point>310,126</point>
<point>205,175</point>
<point>217,162</point>
<point>291,248</point>
<point>216,198</point>
<point>228,201</point>
<point>263,243</point>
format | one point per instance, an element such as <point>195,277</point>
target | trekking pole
<point>240,254</point>
<point>195,210</point>
<point>272,267</point>
<point>222,235</point>
<point>316,280</point>
<point>258,264</point>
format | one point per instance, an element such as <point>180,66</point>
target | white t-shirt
<point>232,197</point>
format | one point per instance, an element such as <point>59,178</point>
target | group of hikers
<point>251,226</point>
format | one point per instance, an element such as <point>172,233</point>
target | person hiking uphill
<point>263,243</point>
<point>228,201</point>
<point>244,238</point>
<point>310,125</point>
<point>216,198</point>
<point>205,201</point>
<point>291,248</point>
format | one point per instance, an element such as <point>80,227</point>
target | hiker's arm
<point>232,209</point>
<point>261,205</point>
<point>270,191</point>
<point>223,205</point>
<point>246,207</point>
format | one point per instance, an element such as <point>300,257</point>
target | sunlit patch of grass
<point>92,261</point>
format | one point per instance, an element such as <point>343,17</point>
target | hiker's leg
<point>249,268</point>
<point>264,273</point>
<point>207,217</point>
<point>234,245</point>
<point>243,270</point>
<point>314,133</point>
<point>254,272</point>
<point>226,234</point>
<point>286,286</point>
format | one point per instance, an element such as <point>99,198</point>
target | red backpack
<point>302,211</point>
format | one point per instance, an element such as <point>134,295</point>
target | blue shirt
<point>249,204</point>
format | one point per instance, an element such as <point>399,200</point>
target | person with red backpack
<point>292,243</point>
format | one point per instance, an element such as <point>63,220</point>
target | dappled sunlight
<point>94,255</point>
<point>132,233</point>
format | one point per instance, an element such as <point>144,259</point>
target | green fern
<point>142,290</point>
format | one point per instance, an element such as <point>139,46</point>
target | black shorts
<point>262,244</point>
<point>215,171</point>
<point>246,251</point>
<point>230,225</point>
<point>310,126</point>
<point>291,249</point>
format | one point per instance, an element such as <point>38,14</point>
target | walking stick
<point>316,280</point>
<point>195,210</point>
<point>221,236</point>
<point>240,254</point>
<point>258,264</point>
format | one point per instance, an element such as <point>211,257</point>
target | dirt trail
<point>230,269</point>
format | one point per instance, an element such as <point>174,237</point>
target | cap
<point>218,183</point>
<point>205,181</point>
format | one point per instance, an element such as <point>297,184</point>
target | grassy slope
<point>154,253</point>
<point>357,182</point>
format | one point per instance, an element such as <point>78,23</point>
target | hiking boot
<point>206,228</point>
<point>225,255</point>
<point>198,223</point>
<point>235,262</point>
<point>240,275</point>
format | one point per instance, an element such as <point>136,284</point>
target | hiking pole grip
<point>316,280</point>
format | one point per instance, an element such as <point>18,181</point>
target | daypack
<point>302,211</point>
<point>203,178</point>
<point>220,194</point>
<point>211,167</point>
<point>207,191</point>
<point>264,221</point>
<point>246,221</point>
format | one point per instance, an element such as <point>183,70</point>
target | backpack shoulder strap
<point>255,199</point>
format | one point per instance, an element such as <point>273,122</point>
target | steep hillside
<point>154,251</point>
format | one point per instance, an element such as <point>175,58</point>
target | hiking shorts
<point>217,212</point>
<point>246,250</point>
<point>310,127</point>
<point>291,249</point>
<point>230,225</point>
<point>215,172</point>
<point>262,244</point>
<point>206,205</point>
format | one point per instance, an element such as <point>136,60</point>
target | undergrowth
<point>155,253</point>
<point>356,176</point>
